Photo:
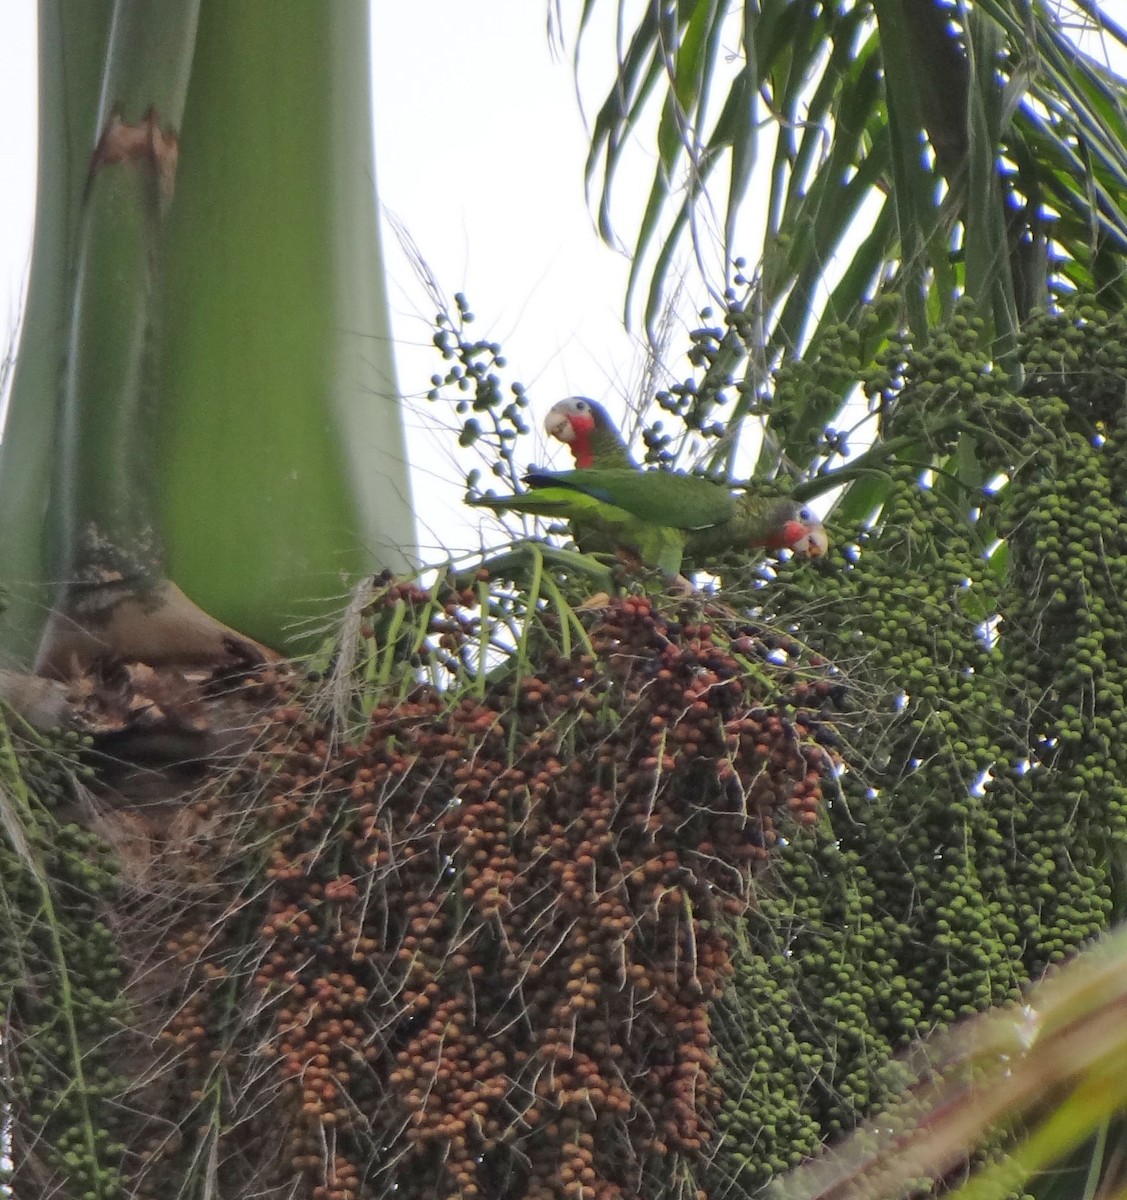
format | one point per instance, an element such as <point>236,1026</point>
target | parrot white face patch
<point>569,419</point>
<point>558,425</point>
<point>814,544</point>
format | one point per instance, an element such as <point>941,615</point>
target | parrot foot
<point>680,586</point>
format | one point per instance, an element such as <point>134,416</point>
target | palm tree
<point>463,921</point>
<point>203,452</point>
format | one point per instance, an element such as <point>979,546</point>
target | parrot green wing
<point>663,516</point>
<point>665,498</point>
<point>658,545</point>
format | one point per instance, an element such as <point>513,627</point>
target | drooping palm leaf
<point>924,149</point>
<point>1055,1062</point>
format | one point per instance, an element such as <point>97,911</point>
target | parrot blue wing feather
<point>542,479</point>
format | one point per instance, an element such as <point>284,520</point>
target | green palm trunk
<point>205,396</point>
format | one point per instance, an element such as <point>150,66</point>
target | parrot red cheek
<point>785,537</point>
<point>803,537</point>
<point>580,441</point>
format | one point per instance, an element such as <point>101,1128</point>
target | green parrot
<point>588,431</point>
<point>662,516</point>
<point>586,428</point>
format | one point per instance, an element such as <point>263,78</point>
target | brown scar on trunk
<point>161,628</point>
<point>145,142</point>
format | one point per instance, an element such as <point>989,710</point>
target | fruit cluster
<point>492,927</point>
<point>499,943</point>
<point>61,1023</point>
<point>977,833</point>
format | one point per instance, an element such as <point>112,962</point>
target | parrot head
<point>576,421</point>
<point>802,533</point>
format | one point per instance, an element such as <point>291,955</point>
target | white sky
<point>479,153</point>
<point>480,148</point>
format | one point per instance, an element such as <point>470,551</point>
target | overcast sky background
<point>480,148</point>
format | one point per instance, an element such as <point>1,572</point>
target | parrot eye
<point>582,406</point>
<point>806,514</point>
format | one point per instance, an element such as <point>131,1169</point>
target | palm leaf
<point>1021,121</point>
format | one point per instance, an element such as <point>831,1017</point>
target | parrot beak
<point>558,425</point>
<point>814,543</point>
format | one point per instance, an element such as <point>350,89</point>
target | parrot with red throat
<point>586,428</point>
<point>662,516</point>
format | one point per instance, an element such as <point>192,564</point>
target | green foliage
<point>60,982</point>
<point>978,835</point>
<point>1065,1041</point>
<point>916,151</point>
